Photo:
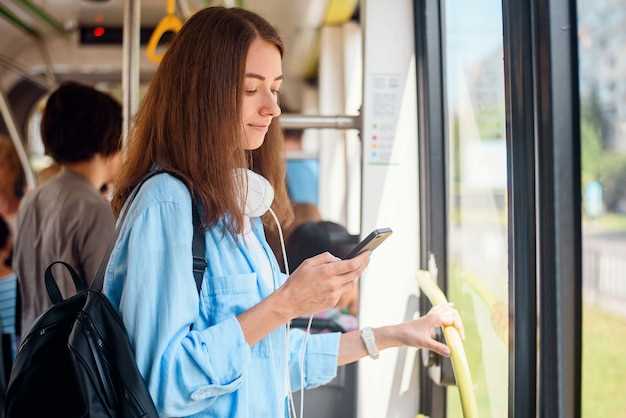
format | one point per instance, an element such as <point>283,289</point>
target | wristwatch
<point>367,336</point>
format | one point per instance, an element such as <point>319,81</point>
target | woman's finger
<point>348,278</point>
<point>438,347</point>
<point>320,259</point>
<point>452,318</point>
<point>348,266</point>
<point>445,316</point>
<point>349,283</point>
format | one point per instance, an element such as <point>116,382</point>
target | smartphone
<point>371,242</point>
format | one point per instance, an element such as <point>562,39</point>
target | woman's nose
<point>270,106</point>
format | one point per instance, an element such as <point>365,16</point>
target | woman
<point>223,354</point>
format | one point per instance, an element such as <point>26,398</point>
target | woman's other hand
<point>319,282</point>
<point>420,332</point>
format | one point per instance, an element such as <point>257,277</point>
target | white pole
<point>130,70</point>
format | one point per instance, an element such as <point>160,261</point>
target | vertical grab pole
<point>130,69</point>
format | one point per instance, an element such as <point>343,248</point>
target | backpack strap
<point>197,245</point>
<point>51,286</point>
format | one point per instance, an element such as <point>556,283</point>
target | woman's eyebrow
<point>260,77</point>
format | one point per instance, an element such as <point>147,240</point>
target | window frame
<point>520,140</point>
<point>430,70</point>
<point>544,205</point>
<point>557,95</point>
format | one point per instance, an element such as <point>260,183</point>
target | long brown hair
<point>268,161</point>
<point>189,121</point>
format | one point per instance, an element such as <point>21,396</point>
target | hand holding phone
<point>371,242</point>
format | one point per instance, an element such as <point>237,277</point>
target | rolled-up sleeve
<point>320,358</point>
<point>185,369</point>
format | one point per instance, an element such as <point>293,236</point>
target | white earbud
<point>259,193</point>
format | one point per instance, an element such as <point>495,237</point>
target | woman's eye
<point>275,92</point>
<point>250,91</point>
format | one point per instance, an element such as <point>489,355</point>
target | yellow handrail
<point>457,352</point>
<point>170,23</point>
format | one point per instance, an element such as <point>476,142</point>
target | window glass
<point>602,69</point>
<point>477,196</point>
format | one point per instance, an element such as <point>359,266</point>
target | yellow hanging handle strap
<point>457,352</point>
<point>170,23</point>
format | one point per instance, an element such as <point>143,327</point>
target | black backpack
<point>77,360</point>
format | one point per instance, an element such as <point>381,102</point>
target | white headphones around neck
<point>259,194</point>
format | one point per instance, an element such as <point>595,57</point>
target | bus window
<point>477,187</point>
<point>602,69</point>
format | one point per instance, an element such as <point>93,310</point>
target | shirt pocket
<point>227,296</point>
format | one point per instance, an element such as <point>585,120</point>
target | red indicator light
<point>98,32</point>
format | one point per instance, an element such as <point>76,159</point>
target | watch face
<point>367,335</point>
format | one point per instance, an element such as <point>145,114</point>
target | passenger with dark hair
<point>80,123</point>
<point>67,218</point>
<point>8,285</point>
<point>312,238</point>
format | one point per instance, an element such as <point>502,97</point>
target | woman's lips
<point>259,127</point>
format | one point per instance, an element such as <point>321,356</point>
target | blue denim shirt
<point>191,350</point>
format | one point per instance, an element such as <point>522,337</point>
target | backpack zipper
<point>100,343</point>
